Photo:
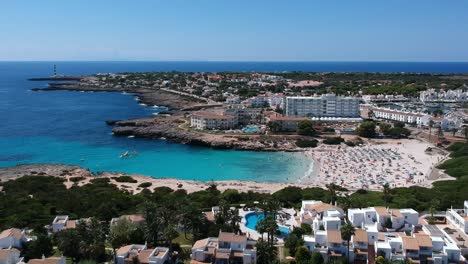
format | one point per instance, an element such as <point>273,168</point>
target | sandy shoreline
<point>400,163</point>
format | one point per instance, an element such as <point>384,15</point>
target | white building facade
<point>328,105</point>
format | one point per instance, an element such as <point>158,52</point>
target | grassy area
<point>182,240</point>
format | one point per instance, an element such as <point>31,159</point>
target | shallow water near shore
<point>69,128</point>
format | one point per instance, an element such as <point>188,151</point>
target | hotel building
<point>328,105</point>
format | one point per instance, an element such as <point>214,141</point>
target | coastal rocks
<point>57,170</point>
<point>172,128</point>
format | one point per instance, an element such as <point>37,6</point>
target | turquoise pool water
<point>253,218</point>
<point>251,129</point>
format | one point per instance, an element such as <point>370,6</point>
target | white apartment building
<point>127,254</point>
<point>418,119</point>
<point>384,98</point>
<point>459,217</point>
<point>212,120</point>
<point>321,216</point>
<point>442,96</point>
<point>328,105</point>
<point>401,219</point>
<point>224,249</point>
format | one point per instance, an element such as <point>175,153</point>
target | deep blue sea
<point>69,127</point>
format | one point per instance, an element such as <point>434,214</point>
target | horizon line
<point>243,61</point>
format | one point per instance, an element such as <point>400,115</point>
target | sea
<point>69,127</point>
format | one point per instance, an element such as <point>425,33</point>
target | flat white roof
<point>382,244</point>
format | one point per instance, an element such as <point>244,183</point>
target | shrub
<point>76,179</point>
<point>333,140</point>
<point>305,143</point>
<point>128,179</point>
<point>145,184</point>
<point>350,143</point>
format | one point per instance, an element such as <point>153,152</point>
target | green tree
<point>120,234</point>
<point>306,128</point>
<point>307,229</point>
<point>316,258</point>
<point>332,190</point>
<point>347,231</point>
<point>292,242</point>
<point>68,242</point>
<point>42,246</point>
<point>386,193</point>
<point>265,252</point>
<point>366,129</point>
<point>274,126</point>
<point>302,255</point>
<point>170,233</point>
<point>385,128</point>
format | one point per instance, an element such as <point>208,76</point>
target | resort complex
<point>326,230</point>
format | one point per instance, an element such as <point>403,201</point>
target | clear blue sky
<point>234,30</point>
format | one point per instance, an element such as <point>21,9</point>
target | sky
<point>234,30</point>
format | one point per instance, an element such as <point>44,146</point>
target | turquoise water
<point>69,128</point>
<point>253,218</point>
<point>251,129</point>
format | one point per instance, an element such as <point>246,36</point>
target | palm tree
<point>345,203</point>
<point>431,124</point>
<point>192,219</point>
<point>152,225</point>
<point>265,252</point>
<point>170,233</point>
<point>120,234</point>
<point>347,231</point>
<point>332,188</point>
<point>386,193</point>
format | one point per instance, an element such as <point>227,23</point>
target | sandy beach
<point>400,163</point>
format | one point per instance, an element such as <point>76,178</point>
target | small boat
<point>126,154</point>
<point>132,136</point>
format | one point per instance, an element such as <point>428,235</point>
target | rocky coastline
<point>172,124</point>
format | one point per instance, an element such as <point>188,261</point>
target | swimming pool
<point>252,219</point>
<point>251,129</point>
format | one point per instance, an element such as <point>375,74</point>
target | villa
<point>128,254</point>
<point>459,217</point>
<point>224,249</point>
<point>384,218</point>
<point>320,216</point>
<point>12,238</point>
<point>62,222</point>
<point>9,256</point>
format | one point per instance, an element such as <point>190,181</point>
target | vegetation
<point>33,201</point>
<point>125,179</point>
<point>306,143</point>
<point>397,131</point>
<point>145,185</point>
<point>333,140</point>
<point>306,128</point>
<point>366,129</point>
